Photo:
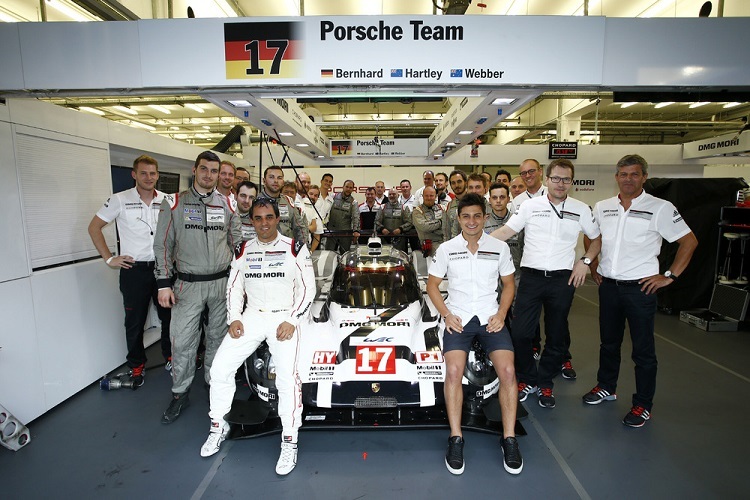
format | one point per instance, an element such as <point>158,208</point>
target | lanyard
<point>559,215</point>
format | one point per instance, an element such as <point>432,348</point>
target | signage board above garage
<point>727,144</point>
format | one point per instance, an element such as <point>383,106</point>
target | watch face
<point>668,274</point>
<point>586,261</point>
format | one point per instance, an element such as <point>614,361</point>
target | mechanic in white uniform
<point>474,263</point>
<point>276,275</point>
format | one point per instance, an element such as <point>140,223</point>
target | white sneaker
<point>217,436</point>
<point>287,459</point>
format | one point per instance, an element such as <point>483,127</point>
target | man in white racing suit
<point>276,275</point>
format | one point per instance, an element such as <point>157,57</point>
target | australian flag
<point>457,73</point>
<point>397,73</point>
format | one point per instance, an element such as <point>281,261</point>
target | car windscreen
<point>356,287</point>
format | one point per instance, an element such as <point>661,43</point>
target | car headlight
<point>479,370</point>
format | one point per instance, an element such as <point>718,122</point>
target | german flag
<point>263,50</point>
<point>341,147</point>
<point>326,73</point>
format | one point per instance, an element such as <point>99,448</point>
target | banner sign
<point>724,144</point>
<point>378,147</point>
<point>565,149</point>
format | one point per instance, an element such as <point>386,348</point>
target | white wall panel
<point>80,55</point>
<point>15,262</point>
<point>79,322</point>
<point>21,385</point>
<point>49,117</point>
<point>64,183</point>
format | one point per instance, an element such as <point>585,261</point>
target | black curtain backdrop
<point>699,201</point>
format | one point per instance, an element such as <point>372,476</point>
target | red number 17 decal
<point>376,360</point>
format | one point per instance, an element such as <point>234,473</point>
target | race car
<point>371,353</point>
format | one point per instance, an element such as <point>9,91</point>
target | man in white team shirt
<point>135,212</point>
<point>633,224</point>
<point>550,274</point>
<point>473,262</point>
<point>531,173</point>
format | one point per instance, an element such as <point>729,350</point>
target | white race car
<point>371,354</point>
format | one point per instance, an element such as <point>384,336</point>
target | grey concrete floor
<point>112,444</point>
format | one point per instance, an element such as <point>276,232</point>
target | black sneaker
<point>598,395</point>
<point>138,375</point>
<point>512,460</point>
<point>454,457</point>
<point>546,398</point>
<point>176,405</point>
<point>636,417</point>
<point>524,390</point>
<point>567,371</point>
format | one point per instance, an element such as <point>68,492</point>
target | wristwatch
<point>670,275</point>
<point>586,260</point>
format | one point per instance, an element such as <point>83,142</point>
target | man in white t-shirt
<point>633,224</point>
<point>136,212</point>
<point>308,206</point>
<point>549,276</point>
<point>473,262</point>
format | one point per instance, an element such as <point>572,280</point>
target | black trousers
<point>617,303</point>
<point>138,287</point>
<point>555,295</point>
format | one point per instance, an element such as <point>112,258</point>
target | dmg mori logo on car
<point>347,323</point>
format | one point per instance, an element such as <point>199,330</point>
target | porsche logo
<point>375,387</point>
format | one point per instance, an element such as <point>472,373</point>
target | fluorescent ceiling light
<point>466,132</point>
<point>206,127</point>
<point>174,128</point>
<point>92,110</point>
<point>662,105</point>
<point>240,103</point>
<point>194,107</point>
<point>450,143</point>
<point>141,125</point>
<point>627,104</point>
<point>125,109</point>
<point>320,156</point>
<point>303,145</point>
<point>698,104</point>
<point>160,108</point>
<point>286,134</point>
<point>503,101</point>
<point>72,11</point>
<point>732,104</point>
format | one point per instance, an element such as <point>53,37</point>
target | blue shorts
<point>473,330</point>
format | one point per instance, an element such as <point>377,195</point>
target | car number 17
<point>376,360</point>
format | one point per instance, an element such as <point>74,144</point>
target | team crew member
<point>474,184</point>
<point>316,225</point>
<point>499,216</point>
<point>135,213</point>
<point>444,197</point>
<point>457,181</point>
<point>531,174</point>
<point>325,201</point>
<point>246,193</point>
<point>275,273</point>
<point>407,198</point>
<point>517,187</point>
<point>473,263</point>
<point>197,230</point>
<point>368,210</point>
<point>633,224</point>
<point>428,221</point>
<point>240,175</point>
<point>227,172</point>
<point>428,179</point>
<point>393,220</point>
<point>291,223</point>
<point>549,276</point>
<point>344,217</point>
<point>487,181</point>
<point>503,176</point>
<point>380,196</point>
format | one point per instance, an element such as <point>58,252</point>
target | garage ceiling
<point>193,119</point>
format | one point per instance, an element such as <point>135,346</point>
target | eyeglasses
<point>565,180</point>
<point>525,173</point>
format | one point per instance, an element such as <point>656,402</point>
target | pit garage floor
<point>112,444</point>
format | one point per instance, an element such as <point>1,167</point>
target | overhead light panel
<point>174,128</point>
<point>465,132</point>
<point>627,104</point>
<point>662,105</point>
<point>240,103</point>
<point>125,109</point>
<point>503,101</point>
<point>697,104</point>
<point>303,145</point>
<point>286,134</point>
<point>71,10</point>
<point>160,109</point>
<point>92,110</point>
<point>194,107</point>
<point>731,104</point>
<point>206,127</point>
<point>141,125</point>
